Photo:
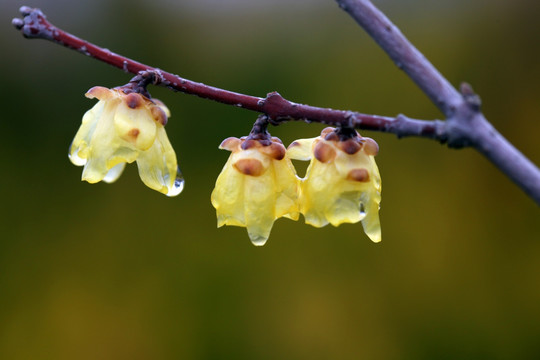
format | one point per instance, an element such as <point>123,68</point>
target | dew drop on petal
<point>74,158</point>
<point>114,173</point>
<point>362,211</point>
<point>178,185</point>
<point>258,240</point>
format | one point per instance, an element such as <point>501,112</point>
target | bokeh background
<point>122,272</point>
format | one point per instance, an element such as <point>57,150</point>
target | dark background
<point>122,272</point>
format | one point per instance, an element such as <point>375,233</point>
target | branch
<point>35,25</point>
<point>465,123</point>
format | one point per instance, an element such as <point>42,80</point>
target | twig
<point>465,125</point>
<point>278,109</point>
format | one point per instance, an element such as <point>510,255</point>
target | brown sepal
<point>230,143</point>
<point>350,146</point>
<point>251,167</point>
<point>360,175</point>
<point>370,146</point>
<point>324,152</point>
<point>159,115</point>
<point>134,100</point>
<point>275,150</point>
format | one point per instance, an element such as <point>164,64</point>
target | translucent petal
<point>345,162</point>
<point>301,149</point>
<point>345,208</point>
<point>254,154</point>
<point>316,192</point>
<point>105,149</point>
<point>287,187</point>
<point>371,223</point>
<point>228,196</point>
<point>259,207</point>
<point>135,126</point>
<point>157,165</point>
<point>78,150</point>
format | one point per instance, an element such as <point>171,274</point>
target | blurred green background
<point>122,272</point>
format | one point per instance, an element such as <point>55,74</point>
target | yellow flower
<point>123,128</point>
<point>342,183</point>
<point>257,185</point>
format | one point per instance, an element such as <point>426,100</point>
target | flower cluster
<point>259,183</point>
<point>122,128</point>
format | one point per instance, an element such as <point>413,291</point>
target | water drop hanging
<point>178,185</point>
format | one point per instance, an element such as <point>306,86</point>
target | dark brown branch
<point>278,109</point>
<point>465,123</point>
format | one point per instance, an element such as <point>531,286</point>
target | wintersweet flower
<point>257,185</point>
<point>342,183</point>
<point>122,128</point>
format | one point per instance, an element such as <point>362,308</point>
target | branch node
<point>440,131</point>
<point>138,84</point>
<point>457,134</point>
<point>276,107</point>
<point>471,98</point>
<point>352,119</point>
<point>260,130</point>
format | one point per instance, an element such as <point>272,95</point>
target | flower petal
<point>105,149</point>
<point>259,207</point>
<point>287,187</point>
<point>301,149</point>
<point>158,167</point>
<point>78,151</point>
<point>228,196</point>
<point>135,126</point>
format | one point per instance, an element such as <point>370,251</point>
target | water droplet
<point>257,240</point>
<point>362,211</point>
<point>74,157</point>
<point>178,184</point>
<point>114,173</point>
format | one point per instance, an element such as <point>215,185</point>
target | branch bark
<point>465,125</point>
<point>35,25</point>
